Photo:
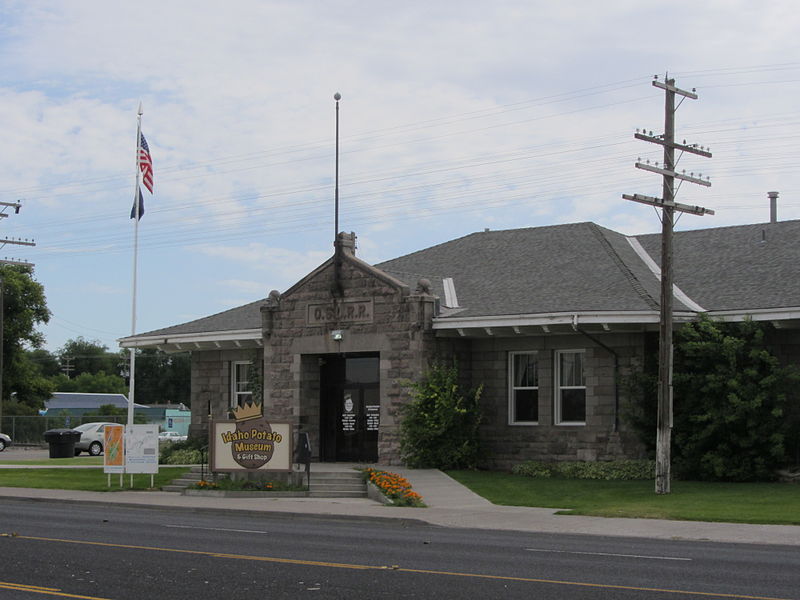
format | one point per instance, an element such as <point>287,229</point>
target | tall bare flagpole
<point>136,204</point>
<point>337,96</point>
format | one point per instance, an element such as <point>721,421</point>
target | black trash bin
<point>62,442</point>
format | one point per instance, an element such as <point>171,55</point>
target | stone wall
<point>211,385</point>
<point>507,444</point>
<point>398,330</point>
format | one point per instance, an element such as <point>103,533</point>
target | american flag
<point>145,163</point>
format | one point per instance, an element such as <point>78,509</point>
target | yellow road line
<point>35,589</point>
<point>315,563</point>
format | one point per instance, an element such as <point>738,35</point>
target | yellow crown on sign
<point>247,411</point>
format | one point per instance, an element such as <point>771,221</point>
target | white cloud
<point>498,115</point>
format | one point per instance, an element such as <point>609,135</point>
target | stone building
<point>547,319</point>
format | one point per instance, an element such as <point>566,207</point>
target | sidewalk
<point>449,505</point>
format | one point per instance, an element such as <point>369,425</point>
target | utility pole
<point>67,366</point>
<point>668,208</point>
<point>8,261</point>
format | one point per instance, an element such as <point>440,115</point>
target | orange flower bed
<point>394,487</point>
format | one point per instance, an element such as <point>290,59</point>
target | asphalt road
<point>119,553</point>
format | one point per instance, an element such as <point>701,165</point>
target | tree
<point>48,363</point>
<point>84,356</point>
<point>91,383</point>
<point>24,307</point>
<point>162,378</point>
<point>733,408</point>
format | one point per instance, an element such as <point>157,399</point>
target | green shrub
<point>187,456</point>
<point>736,409</point>
<point>615,470</point>
<point>620,470</point>
<point>439,427</point>
<point>533,468</point>
<point>192,451</point>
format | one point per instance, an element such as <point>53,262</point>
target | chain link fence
<point>30,429</point>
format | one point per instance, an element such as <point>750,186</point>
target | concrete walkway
<point>449,505</point>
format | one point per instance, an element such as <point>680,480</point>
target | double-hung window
<point>570,401</point>
<point>523,377</point>
<point>241,391</point>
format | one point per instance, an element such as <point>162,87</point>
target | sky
<point>454,117</point>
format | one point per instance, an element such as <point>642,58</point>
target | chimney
<point>347,242</point>
<point>773,206</point>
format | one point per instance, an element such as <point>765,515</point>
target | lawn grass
<point>93,480</point>
<point>768,503</point>
<point>87,461</point>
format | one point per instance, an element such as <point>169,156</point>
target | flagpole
<point>136,192</point>
<point>337,96</point>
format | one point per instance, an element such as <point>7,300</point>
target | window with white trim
<point>570,388</point>
<point>241,391</point>
<point>523,388</point>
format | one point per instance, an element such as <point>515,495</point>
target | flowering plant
<point>394,487</point>
<point>206,485</point>
<point>227,484</point>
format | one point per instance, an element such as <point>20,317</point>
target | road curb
<point>399,520</point>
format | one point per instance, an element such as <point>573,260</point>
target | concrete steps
<point>188,479</point>
<point>344,483</point>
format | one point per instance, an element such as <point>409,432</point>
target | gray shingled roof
<point>583,267</point>
<point>234,319</point>
<point>561,268</point>
<point>746,267</point>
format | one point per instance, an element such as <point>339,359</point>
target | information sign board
<point>114,449</point>
<point>141,449</point>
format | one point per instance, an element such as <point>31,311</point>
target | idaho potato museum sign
<point>250,443</point>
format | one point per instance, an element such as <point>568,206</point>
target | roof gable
<point>359,264</point>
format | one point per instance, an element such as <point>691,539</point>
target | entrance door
<point>349,408</point>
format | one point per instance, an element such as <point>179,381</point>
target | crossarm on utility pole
<point>668,207</point>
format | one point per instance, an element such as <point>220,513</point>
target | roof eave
<point>544,323</point>
<point>211,340</point>
<point>782,318</point>
<point>567,322</point>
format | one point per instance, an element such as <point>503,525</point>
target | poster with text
<point>141,449</point>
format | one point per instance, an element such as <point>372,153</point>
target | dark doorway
<point>349,408</point>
